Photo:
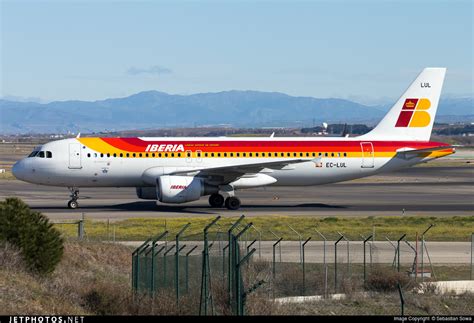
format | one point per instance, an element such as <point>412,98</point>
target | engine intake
<point>181,189</point>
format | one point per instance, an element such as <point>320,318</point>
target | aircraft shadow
<point>195,209</point>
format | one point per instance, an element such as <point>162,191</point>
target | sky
<point>363,50</point>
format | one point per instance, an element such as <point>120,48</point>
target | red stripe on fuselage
<point>139,145</point>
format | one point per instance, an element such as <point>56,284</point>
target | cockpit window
<point>49,154</point>
<point>33,153</point>
<point>41,154</point>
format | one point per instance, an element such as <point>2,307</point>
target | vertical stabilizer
<point>412,117</point>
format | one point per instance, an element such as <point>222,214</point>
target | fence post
<point>259,242</point>
<point>303,264</point>
<point>80,227</point>
<point>398,251</point>
<point>324,262</point>
<point>402,300</point>
<point>153,245</point>
<point>335,263</point>
<point>165,267</point>
<point>135,271</point>
<point>229,268</point>
<point>472,248</point>
<point>301,242</point>
<point>240,294</point>
<point>274,256</point>
<point>422,252</point>
<point>206,296</point>
<point>176,266</point>
<point>365,270</point>
<point>348,253</point>
<point>186,271</point>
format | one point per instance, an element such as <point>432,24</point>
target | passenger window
<point>256,154</point>
<point>218,154</point>
<point>238,154</point>
<point>244,154</point>
<point>41,154</point>
<point>101,155</point>
<point>115,154</point>
<point>212,154</point>
<point>332,154</point>
<point>206,154</point>
<point>325,154</point>
<point>250,154</point>
<point>231,154</point>
<point>134,155</point>
<point>345,154</point>
<point>49,154</point>
<point>307,154</point>
<point>225,154</point>
<point>121,154</point>
<point>314,154</point>
<point>179,154</point>
<point>140,155</point>
<point>153,154</point>
<point>88,155</point>
<point>172,154</point>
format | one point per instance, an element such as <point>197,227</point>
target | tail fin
<point>412,117</point>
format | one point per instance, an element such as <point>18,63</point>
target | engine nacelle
<point>181,189</point>
<point>146,193</point>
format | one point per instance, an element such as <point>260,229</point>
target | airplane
<point>184,169</point>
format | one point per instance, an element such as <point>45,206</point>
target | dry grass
<point>94,278</point>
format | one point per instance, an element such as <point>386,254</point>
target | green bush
<point>41,245</point>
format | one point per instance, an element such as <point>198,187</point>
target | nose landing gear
<point>72,204</point>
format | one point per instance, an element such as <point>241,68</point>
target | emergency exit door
<point>75,156</point>
<point>367,155</point>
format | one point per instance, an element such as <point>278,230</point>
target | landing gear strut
<point>72,204</point>
<point>216,200</point>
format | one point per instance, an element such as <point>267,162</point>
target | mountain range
<point>153,109</point>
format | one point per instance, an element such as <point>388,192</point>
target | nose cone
<point>18,170</point>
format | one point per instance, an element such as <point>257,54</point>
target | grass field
<point>455,228</point>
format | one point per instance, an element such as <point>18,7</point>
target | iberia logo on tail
<point>414,113</point>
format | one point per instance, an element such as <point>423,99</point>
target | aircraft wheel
<point>232,203</point>
<point>72,204</point>
<point>216,200</point>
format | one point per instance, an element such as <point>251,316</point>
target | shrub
<point>387,280</point>
<point>40,244</point>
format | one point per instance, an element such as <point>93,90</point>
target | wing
<point>229,173</point>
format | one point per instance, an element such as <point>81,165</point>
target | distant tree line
<point>339,128</point>
<point>455,130</point>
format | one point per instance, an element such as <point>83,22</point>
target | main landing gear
<point>217,200</point>
<point>72,204</point>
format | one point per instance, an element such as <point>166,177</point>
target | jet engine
<point>181,189</point>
